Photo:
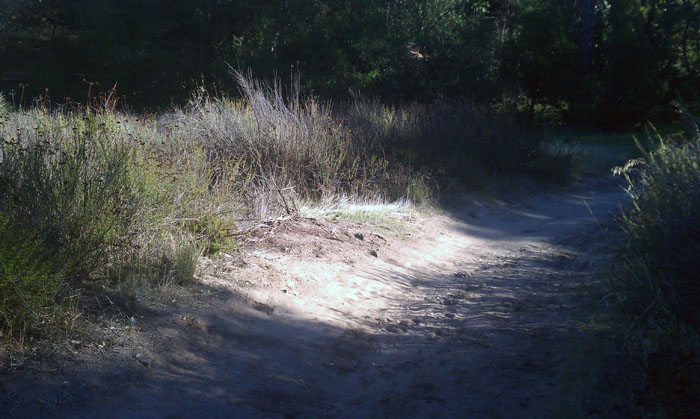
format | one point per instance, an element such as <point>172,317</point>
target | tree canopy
<point>604,63</point>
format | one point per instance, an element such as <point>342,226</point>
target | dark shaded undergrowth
<point>656,275</point>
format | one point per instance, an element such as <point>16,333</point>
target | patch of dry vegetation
<point>106,203</point>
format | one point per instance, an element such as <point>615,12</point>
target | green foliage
<point>420,189</point>
<point>609,64</point>
<point>29,279</point>
<point>657,274</point>
<point>545,52</point>
<point>215,234</point>
<point>663,229</point>
<point>629,49</point>
<point>69,178</point>
<point>184,264</point>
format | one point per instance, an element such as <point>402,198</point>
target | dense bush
<point>100,201</point>
<point>69,178</point>
<point>275,142</point>
<point>658,274</point>
<point>29,278</point>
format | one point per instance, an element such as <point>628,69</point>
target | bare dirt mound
<point>468,315</point>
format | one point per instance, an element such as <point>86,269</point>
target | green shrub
<point>69,178</point>
<point>29,279</point>
<point>664,227</point>
<point>214,234</point>
<point>657,275</point>
<point>184,263</point>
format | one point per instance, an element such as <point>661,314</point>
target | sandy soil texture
<point>471,314</point>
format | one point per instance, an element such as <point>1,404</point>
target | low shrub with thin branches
<point>109,200</point>
<point>71,180</point>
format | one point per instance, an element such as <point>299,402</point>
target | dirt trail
<point>468,317</point>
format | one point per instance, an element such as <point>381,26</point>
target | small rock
<point>373,253</point>
<point>360,236</point>
<point>145,360</point>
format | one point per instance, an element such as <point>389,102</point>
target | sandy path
<point>468,318</point>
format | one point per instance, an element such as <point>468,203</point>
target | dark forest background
<point>603,64</point>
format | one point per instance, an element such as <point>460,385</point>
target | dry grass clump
<point>287,148</point>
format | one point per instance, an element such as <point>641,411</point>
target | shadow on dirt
<point>495,336</point>
<point>476,343</point>
<point>589,202</point>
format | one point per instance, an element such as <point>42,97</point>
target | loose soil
<point>479,312</point>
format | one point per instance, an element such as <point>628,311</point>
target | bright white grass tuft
<point>376,211</point>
